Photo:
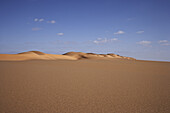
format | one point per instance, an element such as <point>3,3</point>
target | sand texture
<point>84,86</point>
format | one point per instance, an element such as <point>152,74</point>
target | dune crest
<point>33,52</point>
<point>81,55</point>
<point>30,55</point>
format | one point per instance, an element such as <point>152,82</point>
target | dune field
<point>75,82</point>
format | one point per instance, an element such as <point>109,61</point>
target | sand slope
<point>85,86</point>
<point>31,55</point>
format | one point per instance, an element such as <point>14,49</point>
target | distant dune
<point>33,55</point>
<point>67,56</point>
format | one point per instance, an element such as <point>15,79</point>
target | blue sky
<point>136,28</point>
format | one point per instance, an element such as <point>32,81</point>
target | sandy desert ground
<point>84,86</point>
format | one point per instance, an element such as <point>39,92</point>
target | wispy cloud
<point>60,34</point>
<point>104,40</point>
<point>38,20</point>
<point>144,43</point>
<point>36,29</point>
<point>42,19</point>
<point>119,32</point>
<point>139,32</point>
<point>114,39</point>
<point>164,42</point>
<point>52,21</point>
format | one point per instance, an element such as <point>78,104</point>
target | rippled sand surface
<point>84,86</point>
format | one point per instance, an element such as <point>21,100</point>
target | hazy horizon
<point>133,28</point>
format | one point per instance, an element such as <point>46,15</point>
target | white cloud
<point>139,32</point>
<point>95,41</point>
<point>105,40</point>
<point>36,29</point>
<point>114,39</point>
<point>144,43</point>
<point>60,34</point>
<point>99,38</point>
<point>164,42</point>
<point>119,32</point>
<point>52,21</point>
<point>36,19</point>
<point>40,20</point>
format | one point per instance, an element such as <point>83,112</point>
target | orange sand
<point>84,86</point>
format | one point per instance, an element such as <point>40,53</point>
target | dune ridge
<point>31,55</point>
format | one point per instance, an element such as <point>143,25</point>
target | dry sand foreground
<point>84,86</point>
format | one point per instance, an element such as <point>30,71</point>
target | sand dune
<point>32,55</point>
<point>67,56</point>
